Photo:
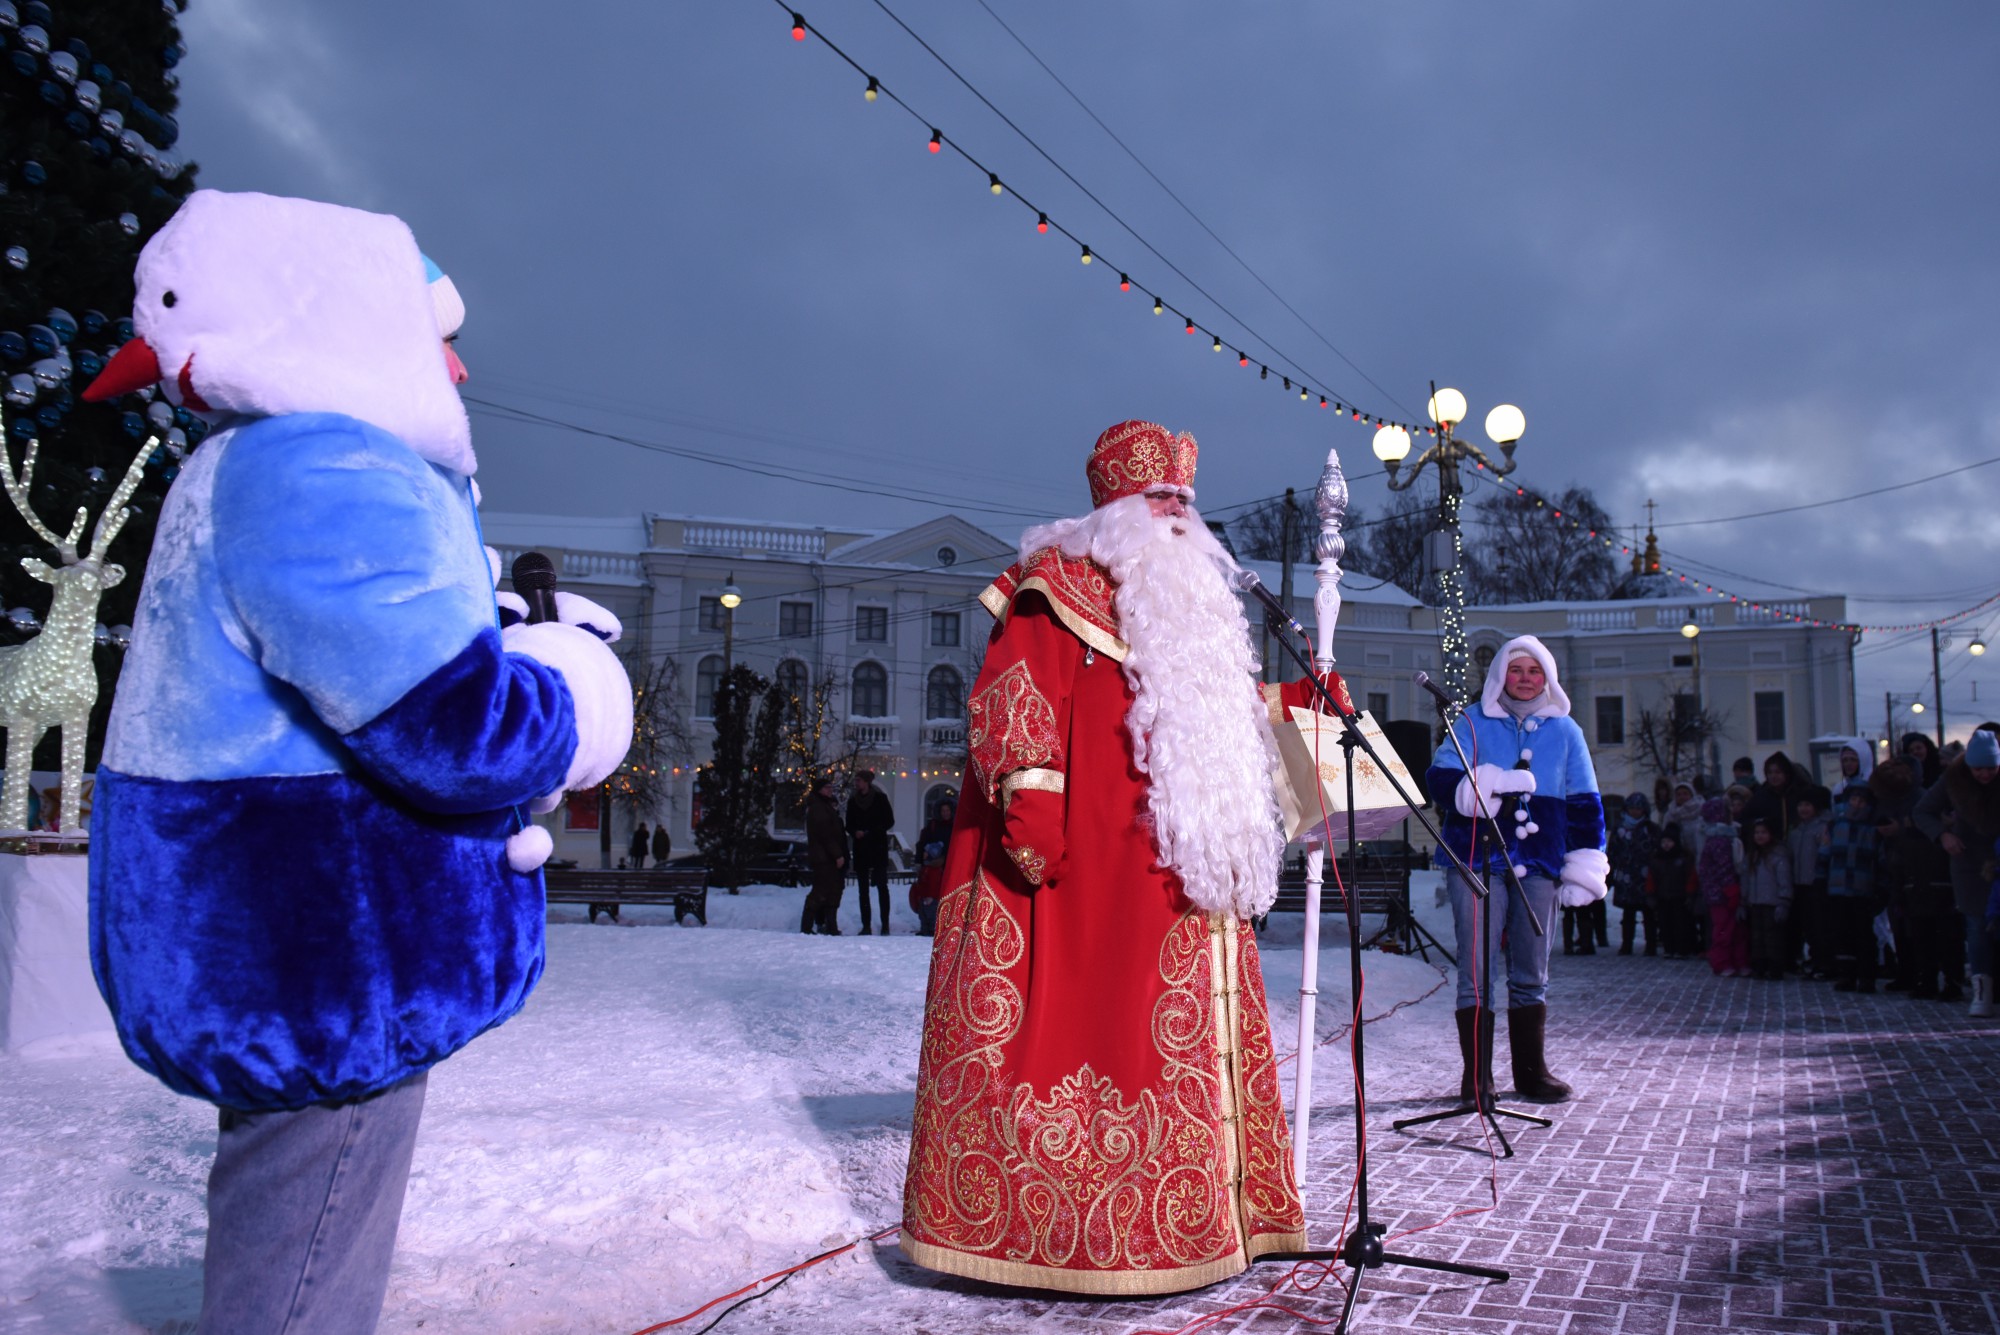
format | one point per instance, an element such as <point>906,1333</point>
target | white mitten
<point>1477,790</point>
<point>1583,875</point>
<point>598,687</point>
<point>575,610</point>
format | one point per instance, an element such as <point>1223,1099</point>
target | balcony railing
<point>873,736</point>
<point>944,736</point>
<point>1603,618</point>
<point>1747,615</point>
<point>754,538</point>
<point>579,565</point>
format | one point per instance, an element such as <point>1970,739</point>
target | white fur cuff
<point>599,691</point>
<point>1584,872</point>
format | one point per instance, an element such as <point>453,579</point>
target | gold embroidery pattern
<point>1270,1189</point>
<point>1033,781</point>
<point>959,1193</point>
<point>1034,867</point>
<point>1013,1184</point>
<point>1012,726</point>
<point>1132,456</point>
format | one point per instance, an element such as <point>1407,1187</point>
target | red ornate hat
<point>1134,457</point>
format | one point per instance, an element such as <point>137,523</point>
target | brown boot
<point>1475,1051</point>
<point>1526,1033</point>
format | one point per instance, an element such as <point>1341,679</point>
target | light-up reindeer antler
<point>18,491</point>
<point>112,518</point>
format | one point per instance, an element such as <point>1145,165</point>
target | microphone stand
<point>1362,1250</point>
<point>1485,1103</point>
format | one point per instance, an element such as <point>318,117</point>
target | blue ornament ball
<point>12,346</point>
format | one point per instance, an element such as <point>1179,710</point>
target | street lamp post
<point>1691,632</point>
<point>732,597</point>
<point>1392,445</point>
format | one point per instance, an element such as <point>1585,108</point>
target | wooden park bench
<point>1377,890</point>
<point>686,889</point>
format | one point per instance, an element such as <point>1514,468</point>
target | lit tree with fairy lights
<point>87,174</point>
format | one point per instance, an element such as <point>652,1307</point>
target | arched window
<point>707,677</point>
<point>944,693</point>
<point>937,793</point>
<point>871,691</point>
<point>795,680</point>
<point>1482,659</point>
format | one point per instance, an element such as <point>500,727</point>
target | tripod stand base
<point>1492,1114</point>
<point>1363,1252</point>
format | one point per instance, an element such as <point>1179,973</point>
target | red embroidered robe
<point>1097,1099</point>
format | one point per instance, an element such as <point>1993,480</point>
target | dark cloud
<point>1728,257</point>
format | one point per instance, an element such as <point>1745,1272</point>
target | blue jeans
<point>1978,944</point>
<point>1524,953</point>
<point>302,1215</point>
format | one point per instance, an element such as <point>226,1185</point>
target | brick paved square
<point>1740,1156</point>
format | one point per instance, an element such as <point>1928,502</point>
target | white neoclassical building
<point>891,619</point>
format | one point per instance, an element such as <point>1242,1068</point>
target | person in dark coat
<point>663,845</point>
<point>1962,812</point>
<point>928,888</point>
<point>1671,887</point>
<point>826,855</point>
<point>869,820</point>
<point>1631,850</point>
<point>642,844</point>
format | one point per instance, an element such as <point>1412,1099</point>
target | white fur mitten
<point>1583,877</point>
<point>598,687</point>
<point>1478,790</point>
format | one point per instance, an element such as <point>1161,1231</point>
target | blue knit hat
<point>1982,750</point>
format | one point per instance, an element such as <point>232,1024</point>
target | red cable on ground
<point>786,1273</point>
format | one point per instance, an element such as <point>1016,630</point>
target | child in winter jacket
<point>1720,871</point>
<point>1848,854</point>
<point>1672,891</point>
<point>1809,915</point>
<point>1767,896</point>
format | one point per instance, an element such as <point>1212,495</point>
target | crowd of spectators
<point>1885,879</point>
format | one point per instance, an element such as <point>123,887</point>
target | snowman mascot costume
<point>1532,771</point>
<point>312,875</point>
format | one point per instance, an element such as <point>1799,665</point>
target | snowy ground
<point>675,1113</point>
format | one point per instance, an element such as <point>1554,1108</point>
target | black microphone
<point>1246,581</point>
<point>1423,679</point>
<point>535,580</point>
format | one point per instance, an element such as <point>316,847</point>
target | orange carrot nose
<point>132,367</point>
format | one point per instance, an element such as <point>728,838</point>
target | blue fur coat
<point>1566,809</point>
<point>299,887</point>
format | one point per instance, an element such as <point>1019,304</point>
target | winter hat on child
<point>1640,804</point>
<point>1982,750</point>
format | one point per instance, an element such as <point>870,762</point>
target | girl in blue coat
<point>1531,770</point>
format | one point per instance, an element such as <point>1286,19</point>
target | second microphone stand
<point>1363,1250</point>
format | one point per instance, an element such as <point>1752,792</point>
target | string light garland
<point>1043,223</point>
<point>1696,584</point>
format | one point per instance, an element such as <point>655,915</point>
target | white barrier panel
<point>46,989</point>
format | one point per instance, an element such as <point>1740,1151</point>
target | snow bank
<point>676,1112</point>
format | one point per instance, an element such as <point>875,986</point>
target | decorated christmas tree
<point>88,172</point>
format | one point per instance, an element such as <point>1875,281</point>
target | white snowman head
<point>259,305</point>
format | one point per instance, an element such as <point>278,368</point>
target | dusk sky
<point>1731,257</point>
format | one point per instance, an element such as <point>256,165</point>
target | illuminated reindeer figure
<point>50,681</point>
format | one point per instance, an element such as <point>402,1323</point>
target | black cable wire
<point>942,140</point>
<point>1837,500</point>
<point>1226,247</point>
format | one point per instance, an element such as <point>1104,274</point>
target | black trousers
<point>1639,917</point>
<point>1854,917</point>
<point>822,907</point>
<point>873,870</point>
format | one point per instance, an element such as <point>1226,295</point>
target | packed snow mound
<point>676,1112</point>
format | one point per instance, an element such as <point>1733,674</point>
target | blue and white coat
<point>301,882</point>
<point>1563,835</point>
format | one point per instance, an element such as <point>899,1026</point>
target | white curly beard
<point>1199,728</point>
